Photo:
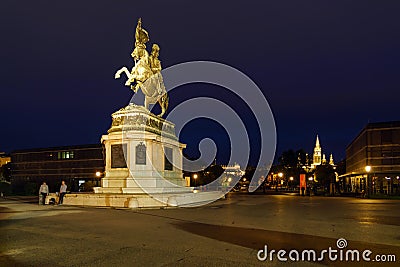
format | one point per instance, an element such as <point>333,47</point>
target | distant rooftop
<point>376,125</point>
<point>388,124</point>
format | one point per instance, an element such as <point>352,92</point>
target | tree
<point>302,157</point>
<point>288,159</point>
<point>5,172</point>
<point>325,175</point>
<point>291,163</point>
<point>210,174</point>
<point>5,187</point>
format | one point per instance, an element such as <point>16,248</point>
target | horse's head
<point>139,52</point>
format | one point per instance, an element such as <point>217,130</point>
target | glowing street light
<point>195,178</point>
<point>98,174</point>
<point>280,175</point>
<point>311,185</point>
<point>291,178</point>
<point>229,179</point>
<point>367,168</point>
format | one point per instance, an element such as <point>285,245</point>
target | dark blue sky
<point>326,67</point>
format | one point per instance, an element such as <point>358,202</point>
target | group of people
<point>44,191</point>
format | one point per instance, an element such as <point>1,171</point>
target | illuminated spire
<point>317,156</point>
<point>317,142</point>
<point>331,160</point>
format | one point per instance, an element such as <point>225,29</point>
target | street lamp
<point>291,182</point>
<point>311,179</point>
<point>227,182</point>
<point>389,185</point>
<point>280,175</point>
<point>368,170</point>
<point>98,174</point>
<point>195,177</point>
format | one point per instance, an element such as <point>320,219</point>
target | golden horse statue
<point>146,72</point>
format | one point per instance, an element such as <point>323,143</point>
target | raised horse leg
<point>128,74</point>
<point>123,69</point>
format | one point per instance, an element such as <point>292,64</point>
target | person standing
<point>63,191</point>
<point>43,192</point>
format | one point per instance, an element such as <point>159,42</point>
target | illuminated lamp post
<point>280,175</point>
<point>291,181</point>
<point>310,179</point>
<point>195,178</point>
<point>368,170</point>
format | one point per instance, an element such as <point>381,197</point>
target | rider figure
<point>155,63</point>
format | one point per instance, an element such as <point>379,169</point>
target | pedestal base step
<point>142,200</point>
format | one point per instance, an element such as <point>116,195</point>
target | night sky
<point>326,67</point>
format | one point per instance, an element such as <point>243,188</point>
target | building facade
<point>233,170</point>
<point>74,164</point>
<point>5,169</point>
<point>373,160</point>
<point>4,159</point>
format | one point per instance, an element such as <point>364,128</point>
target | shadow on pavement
<point>257,238</point>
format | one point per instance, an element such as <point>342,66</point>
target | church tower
<point>331,162</point>
<point>317,156</point>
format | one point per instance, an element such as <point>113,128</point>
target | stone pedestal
<point>143,165</point>
<point>143,154</point>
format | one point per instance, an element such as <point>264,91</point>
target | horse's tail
<point>165,101</point>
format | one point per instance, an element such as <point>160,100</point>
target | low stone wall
<point>112,200</point>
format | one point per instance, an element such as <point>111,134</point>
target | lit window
<point>65,155</point>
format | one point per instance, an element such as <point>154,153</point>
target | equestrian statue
<point>146,72</point>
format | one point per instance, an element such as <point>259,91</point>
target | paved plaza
<point>228,232</point>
